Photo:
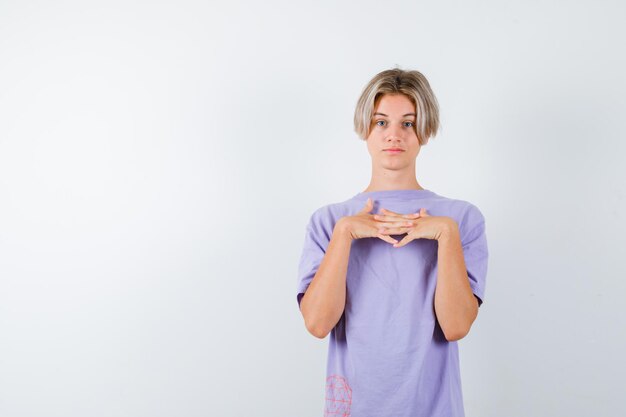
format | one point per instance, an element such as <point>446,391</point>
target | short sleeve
<point>315,243</point>
<point>476,254</point>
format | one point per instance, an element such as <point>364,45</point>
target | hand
<point>363,224</point>
<point>423,227</point>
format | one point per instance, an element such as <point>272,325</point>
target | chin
<point>394,167</point>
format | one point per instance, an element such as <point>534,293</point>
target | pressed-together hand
<point>416,225</point>
<point>424,226</point>
<point>363,224</point>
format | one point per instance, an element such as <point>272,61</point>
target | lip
<point>393,150</point>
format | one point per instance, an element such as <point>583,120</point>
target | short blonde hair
<point>412,84</point>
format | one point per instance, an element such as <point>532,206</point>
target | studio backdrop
<point>159,162</point>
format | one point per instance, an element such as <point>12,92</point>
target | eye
<point>380,121</point>
<point>410,124</point>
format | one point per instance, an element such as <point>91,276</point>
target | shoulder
<point>467,215</point>
<point>327,215</point>
<point>471,214</point>
<point>331,212</point>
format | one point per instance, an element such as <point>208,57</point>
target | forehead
<point>394,105</point>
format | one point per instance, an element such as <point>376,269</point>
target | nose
<point>393,135</point>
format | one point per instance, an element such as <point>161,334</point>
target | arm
<point>455,305</point>
<point>324,300</point>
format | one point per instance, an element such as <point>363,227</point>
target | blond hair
<point>412,84</point>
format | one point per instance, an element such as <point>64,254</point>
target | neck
<point>384,178</point>
<point>392,181</point>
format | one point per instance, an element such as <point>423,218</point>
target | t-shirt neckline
<point>410,193</point>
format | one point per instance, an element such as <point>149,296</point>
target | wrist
<point>449,231</point>
<point>342,229</point>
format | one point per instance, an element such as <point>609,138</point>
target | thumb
<point>368,206</point>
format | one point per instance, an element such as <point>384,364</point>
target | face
<point>392,127</point>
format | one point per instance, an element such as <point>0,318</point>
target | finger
<point>395,223</point>
<point>423,212</point>
<point>403,242</point>
<point>368,206</point>
<point>399,223</point>
<point>394,230</point>
<point>392,213</point>
<point>387,239</point>
<point>389,212</point>
<point>401,218</point>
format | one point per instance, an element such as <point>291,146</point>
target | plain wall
<point>159,162</point>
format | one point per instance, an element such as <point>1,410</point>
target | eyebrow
<point>404,115</point>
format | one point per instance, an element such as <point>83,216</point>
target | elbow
<point>453,337</point>
<point>320,334</point>
<point>316,331</point>
<point>313,327</point>
<point>317,326</point>
<point>456,334</point>
<point>309,324</point>
<point>458,330</point>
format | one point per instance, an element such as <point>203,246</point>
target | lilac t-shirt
<point>387,355</point>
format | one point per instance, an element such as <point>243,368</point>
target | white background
<point>159,162</point>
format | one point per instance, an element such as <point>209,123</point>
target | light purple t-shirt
<point>387,355</point>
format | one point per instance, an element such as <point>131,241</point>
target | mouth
<point>393,150</point>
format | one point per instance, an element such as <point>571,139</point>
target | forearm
<point>325,298</point>
<point>455,305</point>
